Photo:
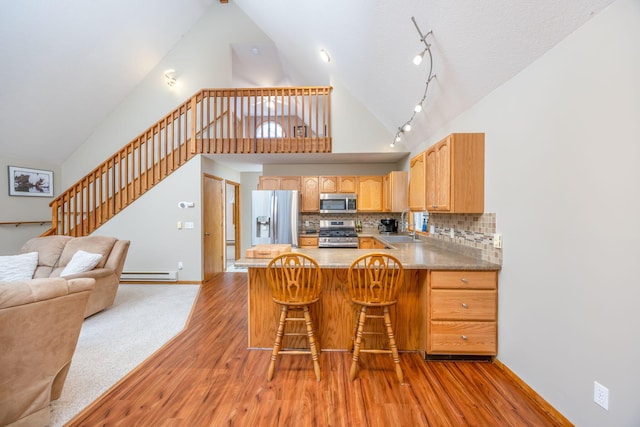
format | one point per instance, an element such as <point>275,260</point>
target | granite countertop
<point>429,255</point>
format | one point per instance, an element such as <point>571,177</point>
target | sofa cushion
<point>93,244</point>
<point>18,267</point>
<point>80,262</point>
<point>49,249</point>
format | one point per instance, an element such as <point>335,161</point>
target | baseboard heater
<point>149,276</point>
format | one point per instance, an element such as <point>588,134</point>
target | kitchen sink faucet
<point>404,224</point>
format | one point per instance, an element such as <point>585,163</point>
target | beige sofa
<point>40,321</point>
<point>56,252</point>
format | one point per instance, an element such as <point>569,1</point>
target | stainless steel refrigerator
<point>275,216</point>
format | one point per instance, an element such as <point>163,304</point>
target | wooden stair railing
<point>213,121</point>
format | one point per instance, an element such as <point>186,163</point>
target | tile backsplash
<point>472,231</point>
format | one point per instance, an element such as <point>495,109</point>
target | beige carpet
<point>115,341</point>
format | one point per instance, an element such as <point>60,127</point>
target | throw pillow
<point>80,262</point>
<point>18,267</point>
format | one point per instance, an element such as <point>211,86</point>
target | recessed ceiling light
<point>324,55</point>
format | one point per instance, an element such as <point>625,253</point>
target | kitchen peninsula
<point>461,281</point>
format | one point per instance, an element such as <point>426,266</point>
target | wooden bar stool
<point>296,283</point>
<point>374,281</point>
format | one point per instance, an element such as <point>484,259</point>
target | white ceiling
<point>59,54</point>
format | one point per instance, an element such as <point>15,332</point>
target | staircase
<point>213,121</point>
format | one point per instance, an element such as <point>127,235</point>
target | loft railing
<point>213,121</point>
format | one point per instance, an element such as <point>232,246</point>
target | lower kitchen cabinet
<point>462,313</point>
<point>308,242</point>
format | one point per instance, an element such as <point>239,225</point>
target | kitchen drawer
<point>464,279</point>
<point>453,304</point>
<point>308,242</point>
<point>475,338</point>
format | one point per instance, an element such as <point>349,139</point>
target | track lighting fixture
<point>406,127</point>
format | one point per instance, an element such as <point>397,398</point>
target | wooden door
<point>213,239</point>
<point>443,180</point>
<point>417,184</point>
<point>369,194</point>
<point>310,194</point>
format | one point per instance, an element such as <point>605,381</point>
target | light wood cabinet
<point>347,184</point>
<point>279,183</point>
<point>455,174</point>
<point>310,194</point>
<point>308,242</point>
<point>462,313</point>
<point>395,195</point>
<point>369,193</point>
<point>328,184</point>
<point>337,184</point>
<point>417,182</point>
<point>365,242</point>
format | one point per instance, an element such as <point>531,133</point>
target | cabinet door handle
<point>464,280</point>
<point>464,305</point>
<point>464,337</point>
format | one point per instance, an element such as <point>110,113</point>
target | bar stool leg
<point>356,349</point>
<point>392,344</point>
<point>278,343</point>
<point>312,342</point>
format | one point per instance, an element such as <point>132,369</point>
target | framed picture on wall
<point>30,182</point>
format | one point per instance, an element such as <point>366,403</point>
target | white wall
<point>562,175</point>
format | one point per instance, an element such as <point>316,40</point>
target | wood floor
<point>207,377</point>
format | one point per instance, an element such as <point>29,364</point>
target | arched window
<point>269,129</point>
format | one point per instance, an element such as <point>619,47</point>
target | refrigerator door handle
<point>274,222</point>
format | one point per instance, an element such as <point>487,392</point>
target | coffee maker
<point>388,225</point>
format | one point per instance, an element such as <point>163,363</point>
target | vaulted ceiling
<point>66,64</point>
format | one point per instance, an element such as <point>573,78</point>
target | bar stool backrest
<point>375,278</point>
<point>295,279</point>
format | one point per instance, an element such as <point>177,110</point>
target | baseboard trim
<point>543,404</point>
<point>146,282</point>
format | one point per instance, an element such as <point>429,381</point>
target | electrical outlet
<point>180,265</point>
<point>497,240</point>
<point>452,233</point>
<point>601,395</point>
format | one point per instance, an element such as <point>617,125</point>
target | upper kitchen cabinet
<point>417,182</point>
<point>369,193</point>
<point>337,184</point>
<point>310,194</point>
<point>455,174</point>
<point>279,183</point>
<point>395,192</point>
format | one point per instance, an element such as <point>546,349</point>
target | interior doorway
<point>232,221</point>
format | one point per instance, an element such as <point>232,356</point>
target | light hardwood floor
<point>207,377</point>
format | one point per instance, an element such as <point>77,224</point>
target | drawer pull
<point>464,337</point>
<point>464,305</point>
<point>464,280</point>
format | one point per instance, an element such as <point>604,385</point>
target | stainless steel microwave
<point>337,203</point>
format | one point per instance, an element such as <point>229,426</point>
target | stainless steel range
<point>337,234</point>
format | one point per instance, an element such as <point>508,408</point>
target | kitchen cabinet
<point>417,182</point>
<point>395,196</point>
<point>337,184</point>
<point>455,174</point>
<point>308,242</point>
<point>310,194</point>
<point>347,184</point>
<point>369,191</point>
<point>279,183</point>
<point>462,313</point>
<point>365,242</point>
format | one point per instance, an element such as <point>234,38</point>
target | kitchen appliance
<point>337,203</point>
<point>337,234</point>
<point>275,217</point>
<point>388,225</point>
